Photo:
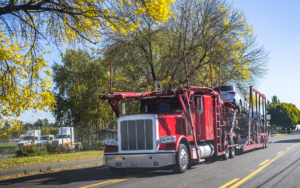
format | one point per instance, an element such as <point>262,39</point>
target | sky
<point>276,24</point>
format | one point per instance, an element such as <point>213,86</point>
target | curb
<point>20,170</point>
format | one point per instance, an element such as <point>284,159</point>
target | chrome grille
<point>136,134</point>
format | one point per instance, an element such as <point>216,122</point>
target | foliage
<point>207,31</point>
<point>284,115</point>
<point>25,26</point>
<point>274,101</point>
<point>28,151</point>
<point>78,83</point>
<point>51,149</point>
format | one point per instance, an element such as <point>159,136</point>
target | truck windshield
<point>164,105</point>
<point>29,138</point>
<point>44,138</point>
<point>60,136</point>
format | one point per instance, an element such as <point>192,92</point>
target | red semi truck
<point>180,127</point>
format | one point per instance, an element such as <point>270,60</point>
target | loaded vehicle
<point>65,139</point>
<point>234,95</point>
<point>179,127</point>
<point>45,140</point>
<point>30,138</point>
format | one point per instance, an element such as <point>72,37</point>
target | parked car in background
<point>4,140</point>
<point>233,95</point>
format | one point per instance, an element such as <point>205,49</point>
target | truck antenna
<point>186,73</point>
<point>111,76</point>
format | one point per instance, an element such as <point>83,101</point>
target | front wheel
<point>226,155</point>
<point>182,161</point>
<point>232,152</point>
<point>118,170</point>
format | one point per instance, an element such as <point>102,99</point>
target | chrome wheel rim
<point>184,158</point>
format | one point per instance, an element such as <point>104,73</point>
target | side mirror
<point>199,105</point>
<point>268,117</point>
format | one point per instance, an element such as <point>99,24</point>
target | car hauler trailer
<point>179,127</point>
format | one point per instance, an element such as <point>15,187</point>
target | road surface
<point>276,166</point>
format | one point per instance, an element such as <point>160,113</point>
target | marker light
<point>167,139</point>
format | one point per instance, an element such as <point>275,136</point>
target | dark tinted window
<point>224,88</point>
<point>165,105</point>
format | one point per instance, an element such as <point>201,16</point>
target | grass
<point>7,148</point>
<point>24,161</point>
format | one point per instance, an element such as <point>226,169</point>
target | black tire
<point>118,170</point>
<point>232,152</point>
<point>66,148</point>
<point>226,155</point>
<point>182,159</point>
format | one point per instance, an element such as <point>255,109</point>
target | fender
<point>179,138</point>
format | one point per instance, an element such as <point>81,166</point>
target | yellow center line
<point>229,183</point>
<point>110,181</point>
<point>264,162</point>
<point>258,170</point>
<point>288,148</point>
<point>279,152</point>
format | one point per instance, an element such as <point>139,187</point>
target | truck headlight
<point>167,139</point>
<point>110,142</point>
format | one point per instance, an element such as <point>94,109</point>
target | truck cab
<point>45,140</point>
<point>157,132</point>
<point>65,138</point>
<point>30,138</point>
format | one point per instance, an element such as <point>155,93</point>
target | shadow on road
<point>287,141</point>
<point>82,177</point>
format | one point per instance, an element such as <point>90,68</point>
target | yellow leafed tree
<point>26,26</point>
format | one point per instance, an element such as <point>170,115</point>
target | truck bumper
<point>140,160</point>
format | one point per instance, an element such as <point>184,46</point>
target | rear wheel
<point>226,155</point>
<point>118,170</point>
<point>66,148</point>
<point>183,159</point>
<point>232,152</point>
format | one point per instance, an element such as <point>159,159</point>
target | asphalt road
<point>276,166</point>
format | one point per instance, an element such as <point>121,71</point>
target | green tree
<point>284,115</point>
<point>45,122</point>
<point>207,31</point>
<point>274,101</point>
<point>78,82</point>
<point>38,124</point>
<point>27,25</point>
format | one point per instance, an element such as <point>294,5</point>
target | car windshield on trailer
<point>224,88</point>
<point>164,105</point>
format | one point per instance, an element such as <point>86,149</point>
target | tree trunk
<point>88,133</point>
